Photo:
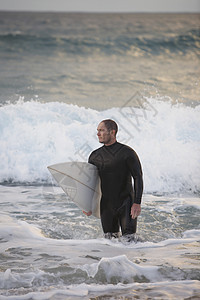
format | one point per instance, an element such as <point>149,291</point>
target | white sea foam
<point>181,290</point>
<point>13,231</point>
<point>166,137</point>
<point>34,266</point>
<point>11,280</point>
<point>121,268</point>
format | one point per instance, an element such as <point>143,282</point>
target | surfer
<point>117,165</point>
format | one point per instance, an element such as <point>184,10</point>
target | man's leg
<point>128,225</point>
<point>110,223</point>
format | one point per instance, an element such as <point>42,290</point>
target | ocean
<point>60,75</point>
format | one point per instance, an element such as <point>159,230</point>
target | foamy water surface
<point>50,250</point>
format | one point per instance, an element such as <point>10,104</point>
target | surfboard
<point>81,182</point>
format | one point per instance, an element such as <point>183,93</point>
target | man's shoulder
<point>128,151</point>
<point>96,156</point>
<point>95,153</point>
<point>126,147</point>
<point>98,150</point>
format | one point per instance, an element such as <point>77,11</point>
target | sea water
<point>61,74</point>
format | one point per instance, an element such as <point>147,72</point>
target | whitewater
<point>165,136</point>
<point>50,250</point>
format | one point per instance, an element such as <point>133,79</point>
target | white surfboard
<point>81,182</point>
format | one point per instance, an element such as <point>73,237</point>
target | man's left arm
<point>135,168</point>
<point>135,210</point>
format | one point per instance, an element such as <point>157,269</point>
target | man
<point>117,164</point>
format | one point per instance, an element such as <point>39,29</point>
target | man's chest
<point>109,162</point>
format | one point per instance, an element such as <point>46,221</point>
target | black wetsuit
<point>117,164</point>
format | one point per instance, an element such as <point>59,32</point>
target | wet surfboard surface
<point>81,182</point>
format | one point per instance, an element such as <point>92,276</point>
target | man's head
<point>106,132</point>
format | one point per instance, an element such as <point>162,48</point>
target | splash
<point>166,137</point>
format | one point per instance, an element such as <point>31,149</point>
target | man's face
<point>103,134</point>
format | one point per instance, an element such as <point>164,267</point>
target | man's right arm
<point>90,159</point>
<point>89,213</point>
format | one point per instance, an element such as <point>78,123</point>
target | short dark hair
<point>110,125</point>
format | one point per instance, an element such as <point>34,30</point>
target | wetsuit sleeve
<point>135,168</point>
<point>90,160</point>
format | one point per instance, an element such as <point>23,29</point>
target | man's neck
<point>111,143</point>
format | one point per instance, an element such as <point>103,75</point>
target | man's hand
<point>135,210</point>
<point>87,213</point>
